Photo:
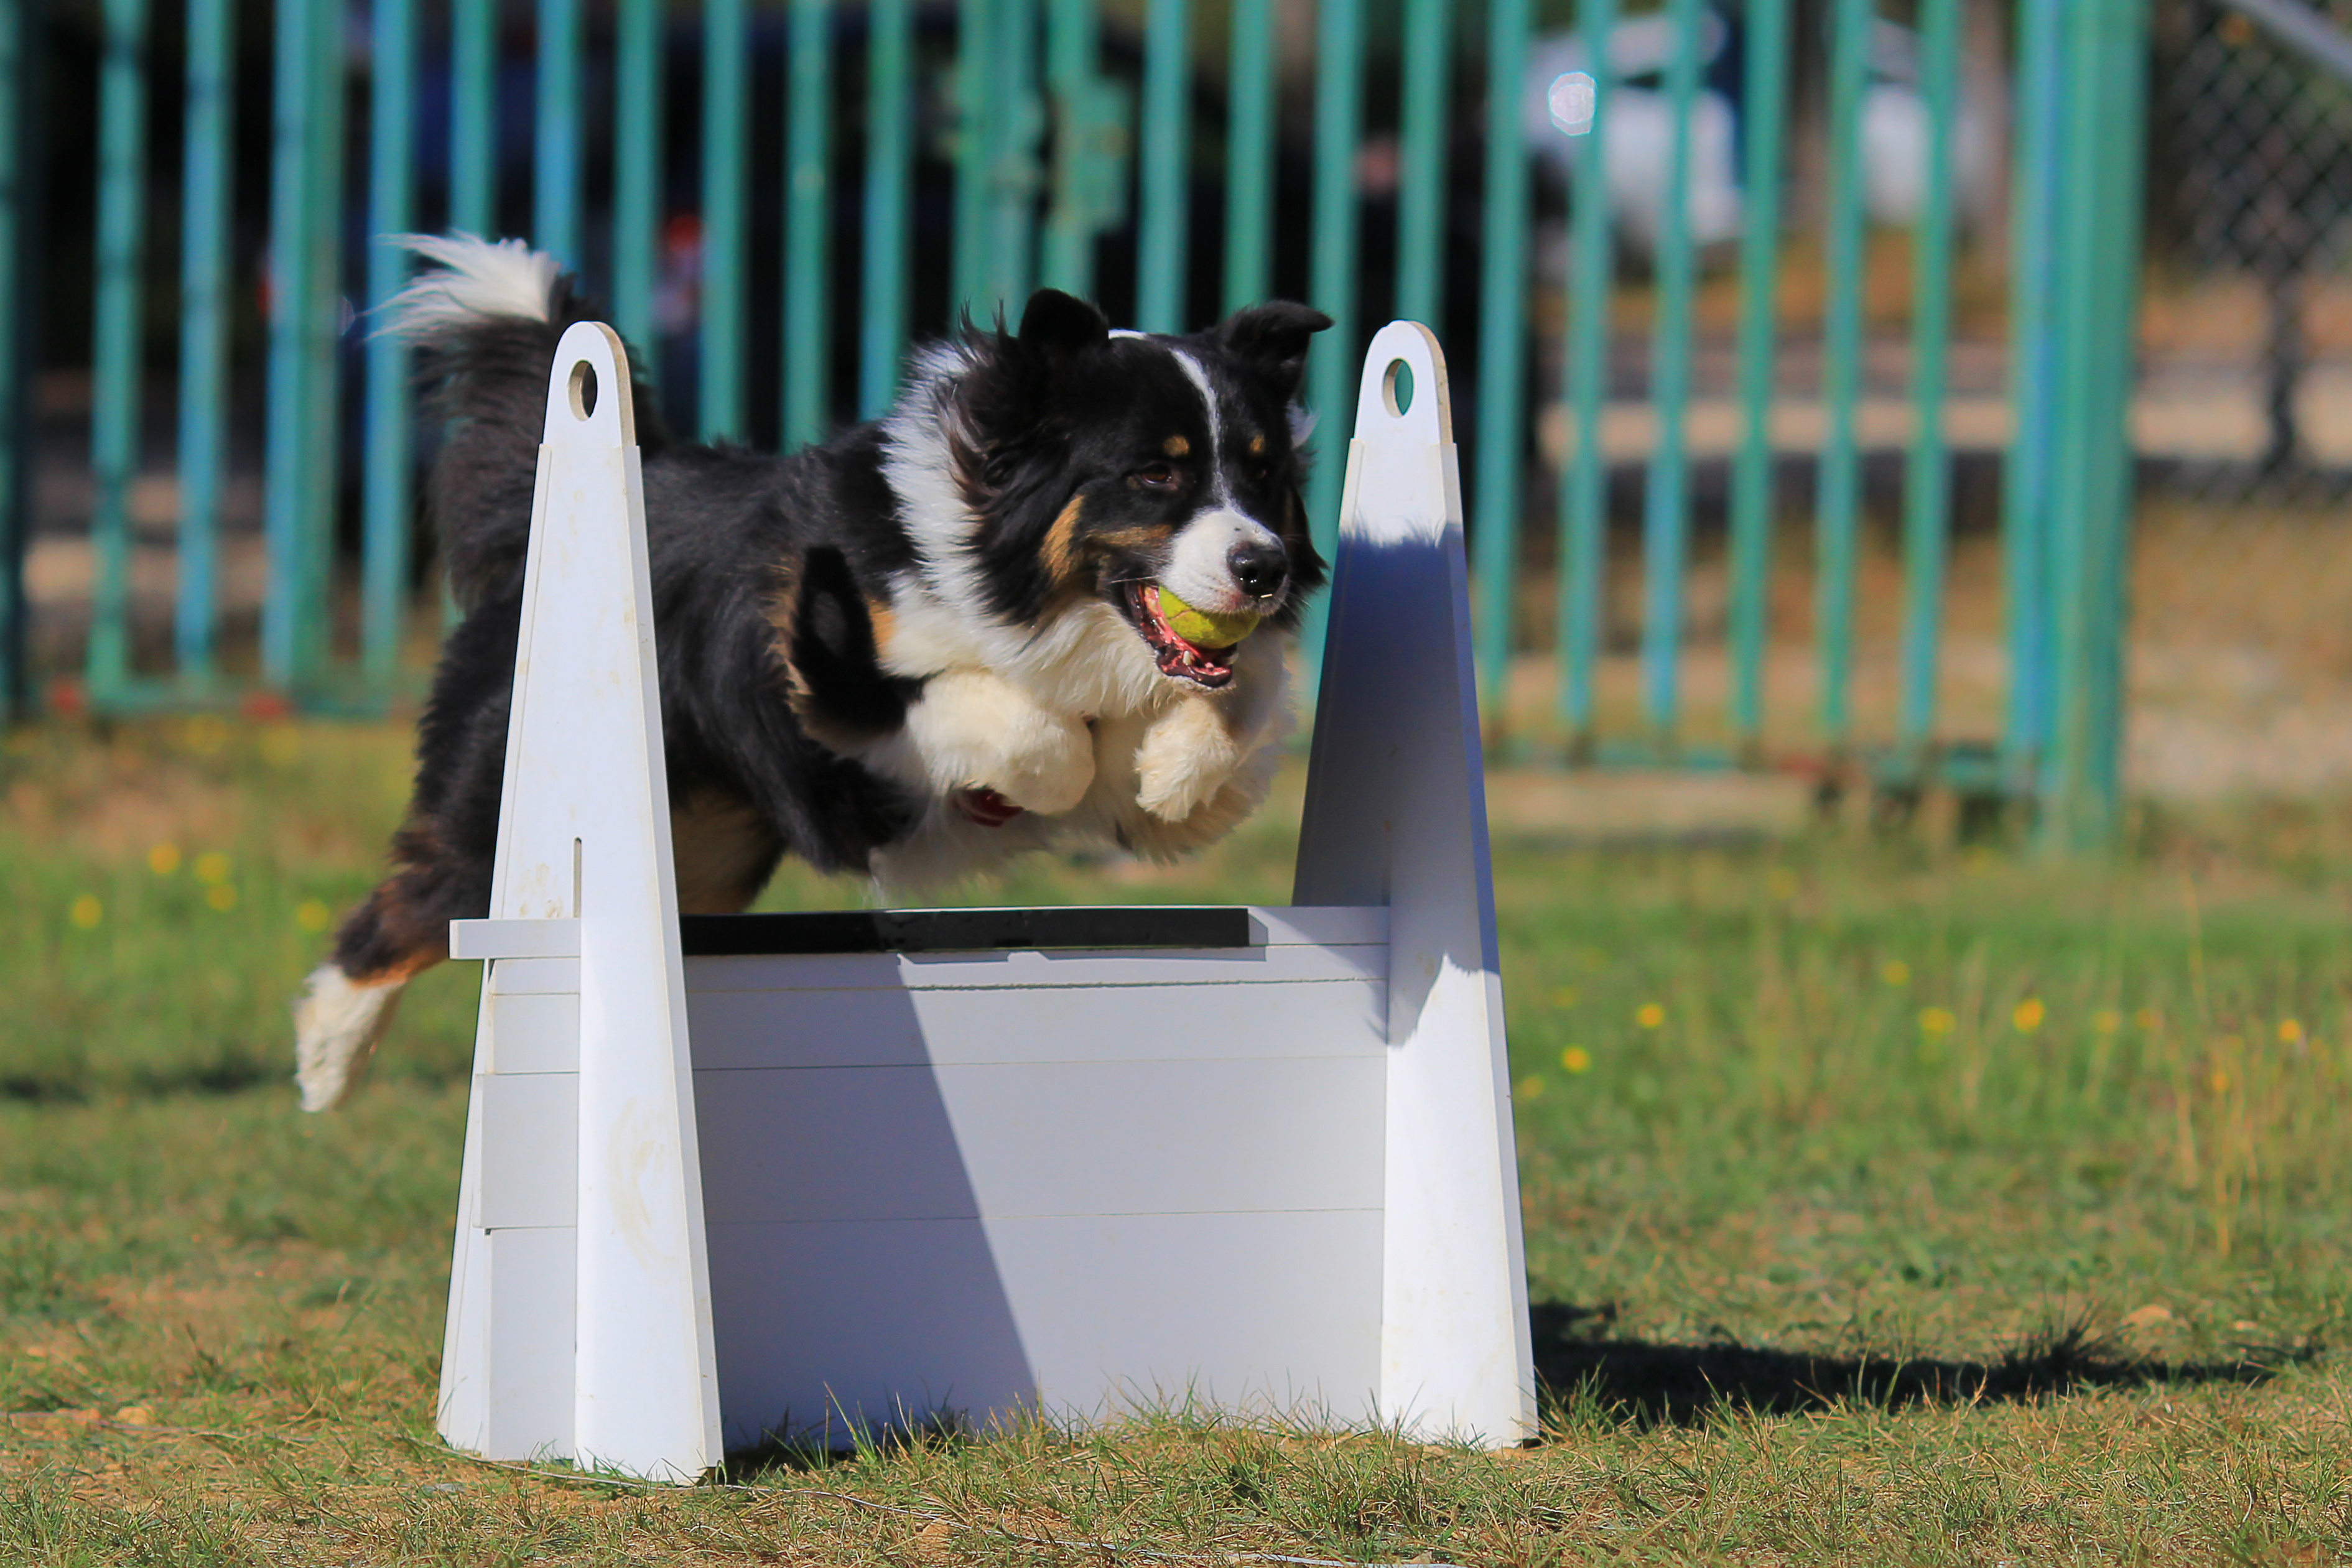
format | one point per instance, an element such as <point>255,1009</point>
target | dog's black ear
<point>1272,341</point>
<point>1057,328</point>
<point>1006,399</point>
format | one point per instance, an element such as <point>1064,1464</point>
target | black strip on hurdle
<point>963,930</point>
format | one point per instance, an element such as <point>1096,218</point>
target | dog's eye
<point>1158,477</point>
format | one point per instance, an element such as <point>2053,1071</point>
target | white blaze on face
<point>1200,570</point>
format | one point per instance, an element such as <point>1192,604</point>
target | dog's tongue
<point>986,807</point>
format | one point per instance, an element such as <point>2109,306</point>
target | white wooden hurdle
<point>982,1162</point>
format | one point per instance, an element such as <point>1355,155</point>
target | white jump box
<point>990,1161</point>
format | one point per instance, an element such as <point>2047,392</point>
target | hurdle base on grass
<point>970,1164</point>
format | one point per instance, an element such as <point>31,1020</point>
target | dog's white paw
<point>1186,756</point>
<point>975,730</point>
<point>336,1026</point>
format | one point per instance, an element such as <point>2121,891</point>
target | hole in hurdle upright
<point>971,1163</point>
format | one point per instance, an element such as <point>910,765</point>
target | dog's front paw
<point>977,731</point>
<point>1186,756</point>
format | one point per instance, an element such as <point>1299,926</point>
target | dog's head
<point>1111,465</point>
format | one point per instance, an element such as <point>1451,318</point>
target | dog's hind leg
<point>401,930</point>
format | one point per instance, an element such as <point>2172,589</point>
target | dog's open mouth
<point>1179,659</point>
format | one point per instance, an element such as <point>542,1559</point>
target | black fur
<point>765,569</point>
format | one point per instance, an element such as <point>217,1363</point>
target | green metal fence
<point>1066,148</point>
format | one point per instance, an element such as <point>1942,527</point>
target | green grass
<point>1883,1204</point>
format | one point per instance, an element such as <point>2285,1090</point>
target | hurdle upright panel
<point>738,1176</point>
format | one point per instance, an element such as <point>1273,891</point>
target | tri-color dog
<point>931,643</point>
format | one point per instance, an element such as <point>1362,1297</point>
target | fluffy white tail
<point>478,279</point>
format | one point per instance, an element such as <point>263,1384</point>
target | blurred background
<point>1942,401</point>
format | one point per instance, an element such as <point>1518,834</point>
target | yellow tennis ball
<point>1200,628</point>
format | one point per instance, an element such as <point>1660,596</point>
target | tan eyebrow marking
<point>1257,446</point>
<point>886,622</point>
<point>1176,446</point>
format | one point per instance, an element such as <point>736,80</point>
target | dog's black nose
<point>1260,566</point>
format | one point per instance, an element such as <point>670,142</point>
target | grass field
<point>1883,1204</point>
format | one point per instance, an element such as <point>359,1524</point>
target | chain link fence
<point>2247,386</point>
<point>2241,649</point>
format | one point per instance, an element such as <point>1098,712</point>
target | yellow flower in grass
<point>2218,1082</point>
<point>206,733</point>
<point>1565,996</point>
<point>1650,1015</point>
<point>1894,972</point>
<point>312,916</point>
<point>2027,1015</point>
<point>221,895</point>
<point>1936,1021</point>
<point>1530,1088</point>
<point>211,866</point>
<point>86,911</point>
<point>2106,1020</point>
<point>2148,1019</point>
<point>1576,1059</point>
<point>2290,1031</point>
<point>163,859</point>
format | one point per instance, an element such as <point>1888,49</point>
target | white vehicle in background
<point>1639,144</point>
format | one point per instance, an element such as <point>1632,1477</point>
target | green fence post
<point>114,354</point>
<point>726,74</point>
<point>387,508</point>
<point>1752,499</point>
<point>1428,66</point>
<point>2121,188</point>
<point>1584,470</point>
<point>2026,475</point>
<point>1502,351</point>
<point>1838,529</point>
<point>204,331</point>
<point>291,309</point>
<point>1249,161</point>
<point>889,174</point>
<point>13,126</point>
<point>1926,481</point>
<point>636,175</point>
<point>1019,123</point>
<point>1665,521</point>
<point>975,147</point>
<point>807,225</point>
<point>555,161</point>
<point>2072,392</point>
<point>1166,167</point>
<point>1332,364</point>
<point>2098,294</point>
<point>1084,166</point>
<point>322,415</point>
<point>473,116</point>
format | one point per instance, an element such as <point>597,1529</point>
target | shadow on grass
<point>1578,1362</point>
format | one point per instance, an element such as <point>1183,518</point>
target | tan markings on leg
<point>885,621</point>
<point>723,851</point>
<point>1257,446</point>
<point>405,971</point>
<point>1176,446</point>
<point>1062,554</point>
